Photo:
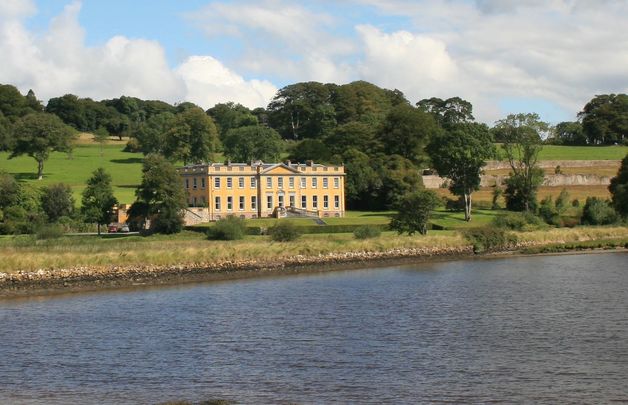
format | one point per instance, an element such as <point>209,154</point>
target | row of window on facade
<point>269,182</point>
<point>270,203</point>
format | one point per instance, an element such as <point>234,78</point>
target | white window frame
<point>253,202</point>
<point>269,182</point>
<point>253,182</point>
<point>229,182</point>
<point>314,182</point>
<point>315,202</point>
<point>325,202</point>
<point>303,182</point>
<point>240,182</point>
<point>241,203</point>
<point>336,182</point>
<point>290,182</point>
<point>217,203</point>
<point>216,182</point>
<point>229,203</point>
<point>279,182</point>
<point>325,182</point>
<point>304,201</point>
<point>337,202</point>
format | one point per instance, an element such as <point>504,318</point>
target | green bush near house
<point>367,232</point>
<point>488,238</point>
<point>284,231</point>
<point>598,212</point>
<point>518,221</point>
<point>229,228</point>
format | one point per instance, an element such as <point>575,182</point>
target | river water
<point>543,329</point>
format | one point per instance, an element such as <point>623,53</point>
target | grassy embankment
<point>191,249</point>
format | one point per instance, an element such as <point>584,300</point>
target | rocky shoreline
<point>95,278</point>
<point>55,281</point>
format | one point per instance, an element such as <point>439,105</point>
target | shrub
<point>284,231</point>
<point>49,231</point>
<point>454,204</point>
<point>548,212</point>
<point>488,238</point>
<point>497,193</point>
<point>229,228</point>
<point>133,145</point>
<point>517,221</point>
<point>598,212</point>
<point>367,232</point>
<point>575,203</point>
<point>562,201</point>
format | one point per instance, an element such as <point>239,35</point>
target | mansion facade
<point>259,190</point>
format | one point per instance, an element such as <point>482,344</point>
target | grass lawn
<point>125,169</point>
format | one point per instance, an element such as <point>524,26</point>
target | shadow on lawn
<point>26,176</point>
<point>133,160</point>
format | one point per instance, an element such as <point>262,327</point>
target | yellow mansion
<point>260,189</point>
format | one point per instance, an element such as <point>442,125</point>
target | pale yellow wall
<point>280,187</point>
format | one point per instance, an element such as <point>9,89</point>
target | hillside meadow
<point>126,167</point>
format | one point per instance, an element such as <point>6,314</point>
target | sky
<point>504,56</point>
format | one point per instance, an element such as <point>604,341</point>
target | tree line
<point>381,137</point>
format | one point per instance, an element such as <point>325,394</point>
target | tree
<point>161,193</point>
<point>364,102</point>
<point>521,135</point>
<point>460,154</point>
<point>151,134</point>
<point>192,138</point>
<point>605,119</point>
<point>97,199</point>
<point>354,134</point>
<point>57,201</point>
<point>101,135</point>
<point>449,112</point>
<point>310,149</point>
<point>406,131</point>
<point>6,138</point>
<point>228,116</point>
<point>619,189</point>
<point>569,133</point>
<point>39,134</point>
<point>245,144</point>
<point>70,109</point>
<point>414,210</point>
<point>14,105</point>
<point>361,179</point>
<point>303,110</point>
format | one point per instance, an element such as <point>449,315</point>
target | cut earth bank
<point>50,268</point>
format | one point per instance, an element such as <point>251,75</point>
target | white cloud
<point>280,38</point>
<point>561,51</point>
<point>58,62</point>
<point>209,82</point>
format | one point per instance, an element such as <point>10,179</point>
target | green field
<point>125,169</point>
<point>555,152</point>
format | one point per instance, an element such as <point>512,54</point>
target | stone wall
<point>551,180</point>
<point>547,164</point>
<point>195,215</point>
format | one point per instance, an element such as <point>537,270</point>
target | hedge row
<point>258,230</point>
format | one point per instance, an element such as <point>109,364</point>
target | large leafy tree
<point>605,119</point>
<point>357,135</point>
<point>229,115</point>
<point>619,189</point>
<point>161,196</point>
<point>460,154</point>
<point>303,110</point>
<point>361,179</point>
<point>39,134</point>
<point>151,135</point>
<point>253,143</point>
<point>406,131</point>
<point>364,102</point>
<point>521,137</point>
<point>310,149</point>
<point>569,133</point>
<point>414,211</point>
<point>14,105</point>
<point>70,109</point>
<point>57,201</point>
<point>97,199</point>
<point>192,138</point>
<point>5,133</point>
<point>449,112</point>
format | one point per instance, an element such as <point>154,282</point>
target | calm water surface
<point>550,329</point>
